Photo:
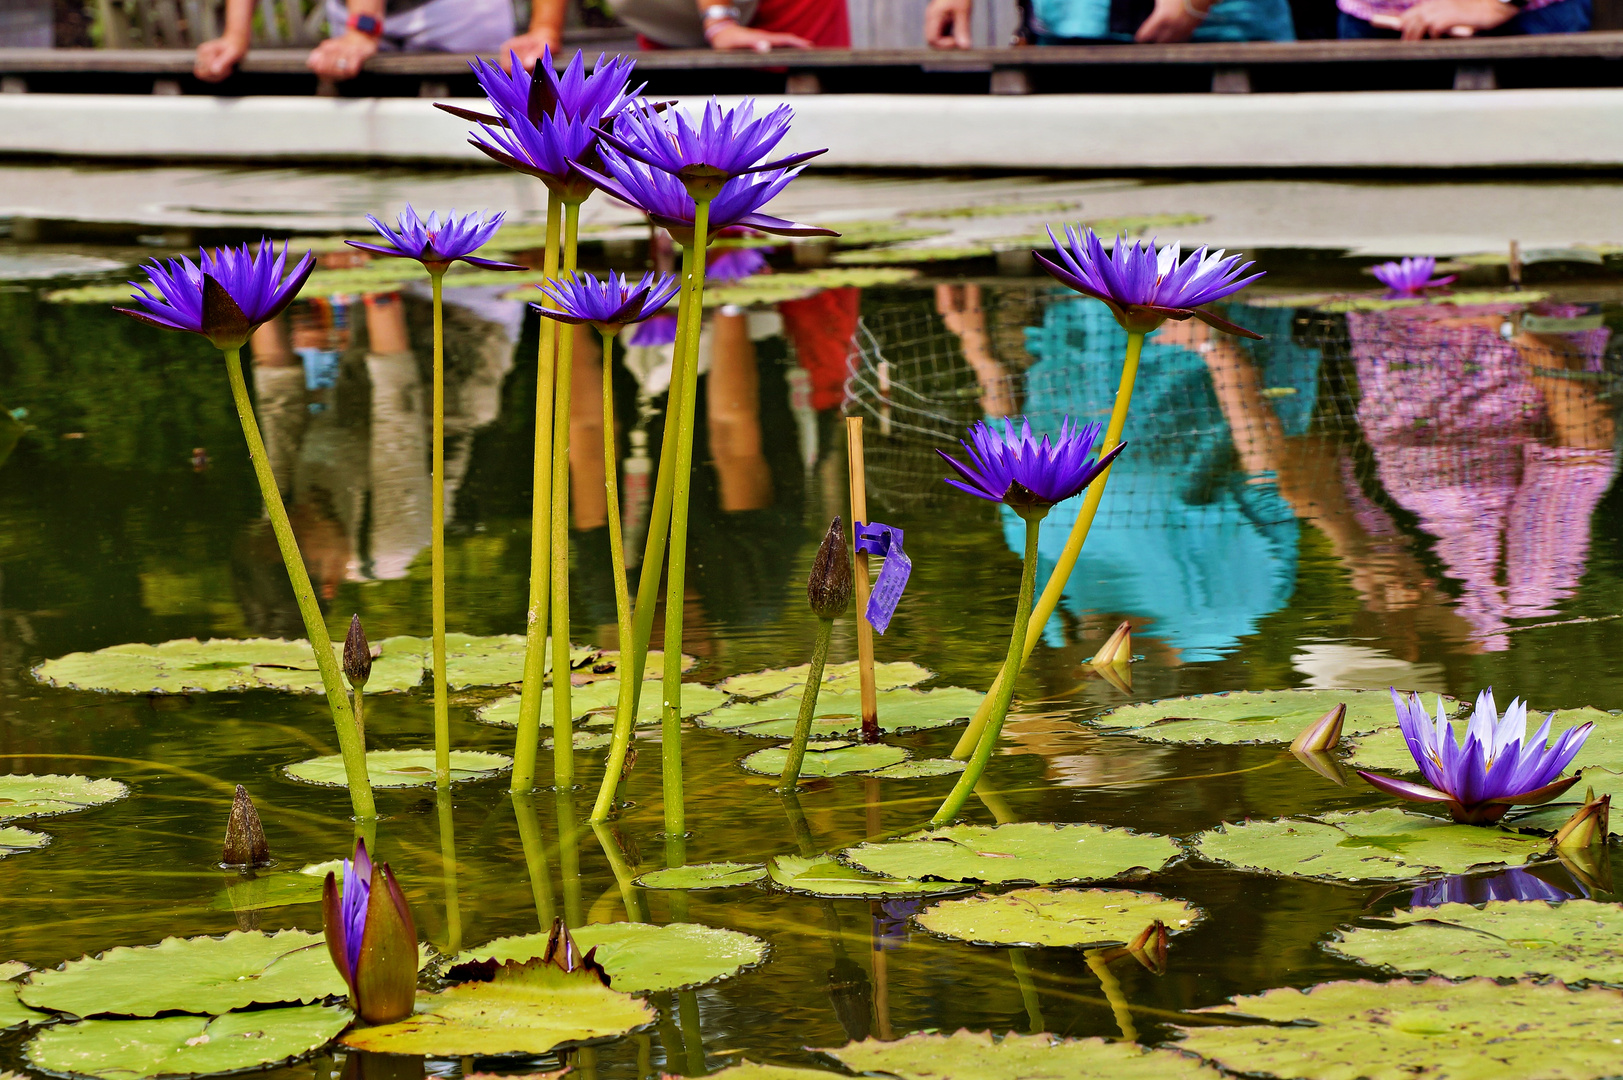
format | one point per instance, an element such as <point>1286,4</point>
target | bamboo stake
<point>859,514</point>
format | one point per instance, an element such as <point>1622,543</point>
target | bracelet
<point>1195,13</point>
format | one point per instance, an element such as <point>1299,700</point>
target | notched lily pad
<point>695,876</point>
<point>188,665</point>
<point>601,697</point>
<point>12,1011</point>
<point>399,768</point>
<point>980,1054</point>
<point>1362,845</point>
<point>496,660</point>
<point>920,767</point>
<point>830,757</point>
<point>29,796</point>
<point>824,876</point>
<point>14,840</point>
<point>1057,917</point>
<point>259,891</point>
<point>840,714</point>
<point>1249,716</point>
<point>839,678</point>
<point>185,1045</point>
<point>1024,851</point>
<point>641,957</point>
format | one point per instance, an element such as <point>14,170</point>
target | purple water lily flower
<point>225,296</point>
<point>735,264</point>
<point>1143,286</point>
<point>1024,472</point>
<point>724,144</point>
<point>1496,767</point>
<point>608,303</point>
<point>435,243</point>
<point>371,938</point>
<point>658,330</point>
<point>1410,277</point>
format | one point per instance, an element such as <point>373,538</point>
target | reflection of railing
<point>179,24</point>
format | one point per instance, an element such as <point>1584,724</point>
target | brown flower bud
<point>829,587</point>
<point>245,843</point>
<point>357,655</point>
<point>1588,826</point>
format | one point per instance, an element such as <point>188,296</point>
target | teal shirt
<point>1229,20</point>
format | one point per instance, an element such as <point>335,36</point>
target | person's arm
<point>341,57</point>
<point>947,25</point>
<point>1175,20</point>
<point>546,32</point>
<point>1453,18</point>
<point>723,31</point>
<point>219,57</point>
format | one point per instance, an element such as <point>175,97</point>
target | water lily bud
<point>1588,826</point>
<point>357,655</point>
<point>371,938</point>
<point>1118,649</point>
<point>829,587</point>
<point>1323,734</point>
<point>245,843</point>
<point>1149,948</point>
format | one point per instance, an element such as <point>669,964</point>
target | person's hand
<point>1175,20</point>
<point>341,57</point>
<point>528,47</point>
<point>946,24</point>
<point>218,58</point>
<point>730,35</point>
<point>1444,18</point>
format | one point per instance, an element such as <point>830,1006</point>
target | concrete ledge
<point>1445,129</point>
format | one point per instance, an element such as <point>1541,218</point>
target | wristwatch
<point>370,25</point>
<point>717,12</point>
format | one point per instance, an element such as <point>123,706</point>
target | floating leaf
<point>1365,844</point>
<point>603,696</point>
<point>584,740</point>
<point>13,1011</point>
<point>980,1054</point>
<point>1504,939</point>
<point>920,767</point>
<point>1066,917</point>
<point>1476,1030</point>
<point>824,876</point>
<point>1250,716</point>
<point>1024,851</point>
<point>754,1070</point>
<point>641,957</point>
<point>191,666</point>
<point>827,758</point>
<point>27,796</point>
<point>525,1009</point>
<point>716,875</point>
<point>1553,815</point>
<point>1386,751</point>
<point>496,660</point>
<point>841,713</point>
<point>840,678</point>
<point>185,1045</point>
<point>14,840</point>
<point>606,665</point>
<point>255,892</point>
<point>399,768</point>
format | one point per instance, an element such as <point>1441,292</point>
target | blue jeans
<point>1562,17</point>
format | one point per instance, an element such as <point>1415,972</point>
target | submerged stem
<point>808,707</point>
<point>625,717</point>
<point>442,714</point>
<point>563,733</point>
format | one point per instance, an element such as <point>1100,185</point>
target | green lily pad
<point>205,975</point>
<point>495,660</point>
<point>14,840</point>
<point>1553,815</point>
<point>694,876</point>
<point>1386,751</point>
<point>830,757</point>
<point>29,796</point>
<point>840,678</point>
<point>188,666</point>
<point>399,768</point>
<point>1573,941</point>
<point>1025,851</point>
<point>1063,917</point>
<point>841,713</point>
<point>185,1045</point>
<point>528,1008</point>
<point>980,1054</point>
<point>911,253</point>
<point>1362,845</point>
<point>260,891</point>
<point>13,1011</point>
<point>1476,1030</point>
<point>824,876</point>
<point>584,740</point>
<point>754,1070</point>
<point>603,696</point>
<point>641,957</point>
<point>1250,716</point>
<point>920,767</point>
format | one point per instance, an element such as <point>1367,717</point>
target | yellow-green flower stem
<point>453,903</point>
<point>1003,693</point>
<point>808,707</point>
<point>630,673</point>
<point>569,858</point>
<point>442,708</point>
<point>350,742</point>
<point>358,699</point>
<point>528,739</point>
<point>1073,548</point>
<point>535,856</point>
<point>630,894</point>
<point>563,722</point>
<point>676,570</point>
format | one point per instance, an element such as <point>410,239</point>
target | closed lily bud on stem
<point>1588,826</point>
<point>1323,734</point>
<point>829,587</point>
<point>357,655</point>
<point>1117,649</point>
<point>371,938</point>
<point>245,843</point>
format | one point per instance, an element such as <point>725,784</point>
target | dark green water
<point>1280,520</point>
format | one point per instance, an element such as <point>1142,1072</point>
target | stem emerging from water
<point>808,707</point>
<point>625,717</point>
<point>442,714</point>
<point>563,734</point>
<point>350,742</point>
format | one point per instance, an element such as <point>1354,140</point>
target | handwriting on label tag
<point>877,538</point>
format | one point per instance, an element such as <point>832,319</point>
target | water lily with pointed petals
<point>1027,473</point>
<point>435,243</point>
<point>1410,277</point>
<point>371,938</point>
<point>1496,766</point>
<point>225,296</point>
<point>724,144</point>
<point>608,303</point>
<point>1144,286</point>
<point>515,92</point>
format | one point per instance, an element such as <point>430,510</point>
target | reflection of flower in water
<point>890,923</point>
<point>1073,752</point>
<point>659,330</point>
<point>1515,883</point>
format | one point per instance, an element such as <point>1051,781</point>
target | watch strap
<point>370,25</point>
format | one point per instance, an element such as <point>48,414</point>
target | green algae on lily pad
<point>641,957</point>
<point>696,876</point>
<point>1055,917</point>
<point>1574,941</point>
<point>29,796</point>
<point>1437,1029</point>
<point>919,768</point>
<point>1249,716</point>
<point>14,840</point>
<point>984,1056</point>
<point>526,1008</point>
<point>830,757</point>
<point>1365,845</point>
<point>176,1046</point>
<point>1553,815</point>
<point>840,714</point>
<point>399,768</point>
<point>826,877</point>
<point>1033,851</point>
<point>838,678</point>
<point>602,696</point>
